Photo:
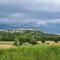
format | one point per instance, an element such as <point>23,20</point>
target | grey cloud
<point>34,5</point>
<point>28,10</point>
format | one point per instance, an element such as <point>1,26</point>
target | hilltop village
<point>16,30</point>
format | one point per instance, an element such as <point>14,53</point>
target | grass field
<point>31,52</point>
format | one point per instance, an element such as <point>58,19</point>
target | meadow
<point>31,52</point>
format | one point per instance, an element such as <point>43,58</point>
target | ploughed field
<point>31,52</point>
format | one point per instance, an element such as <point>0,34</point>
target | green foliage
<point>33,42</point>
<point>6,36</point>
<point>31,52</point>
<point>26,36</point>
<point>22,40</point>
<point>16,41</point>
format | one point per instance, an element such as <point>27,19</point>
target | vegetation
<point>31,52</point>
<point>6,36</point>
<point>28,36</point>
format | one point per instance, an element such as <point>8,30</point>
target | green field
<point>31,52</point>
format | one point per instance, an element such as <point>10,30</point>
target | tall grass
<point>37,52</point>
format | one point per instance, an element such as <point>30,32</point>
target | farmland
<point>29,45</point>
<point>16,38</point>
<point>31,52</point>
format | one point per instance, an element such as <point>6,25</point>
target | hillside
<point>27,36</point>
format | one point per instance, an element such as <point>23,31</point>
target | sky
<point>42,15</point>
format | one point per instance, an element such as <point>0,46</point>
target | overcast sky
<point>42,15</point>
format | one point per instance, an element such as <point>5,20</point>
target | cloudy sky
<point>43,15</point>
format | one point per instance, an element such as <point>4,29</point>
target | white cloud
<point>41,5</point>
<point>25,18</point>
<point>36,22</point>
<point>15,15</point>
<point>30,1</point>
<point>35,5</point>
<point>46,22</point>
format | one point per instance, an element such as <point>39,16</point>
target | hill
<point>27,36</point>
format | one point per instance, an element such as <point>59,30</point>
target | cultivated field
<point>6,44</point>
<point>42,51</point>
<point>31,52</point>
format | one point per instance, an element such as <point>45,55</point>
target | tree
<point>33,41</point>
<point>22,40</point>
<point>16,41</point>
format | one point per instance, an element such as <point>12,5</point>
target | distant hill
<point>27,34</point>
